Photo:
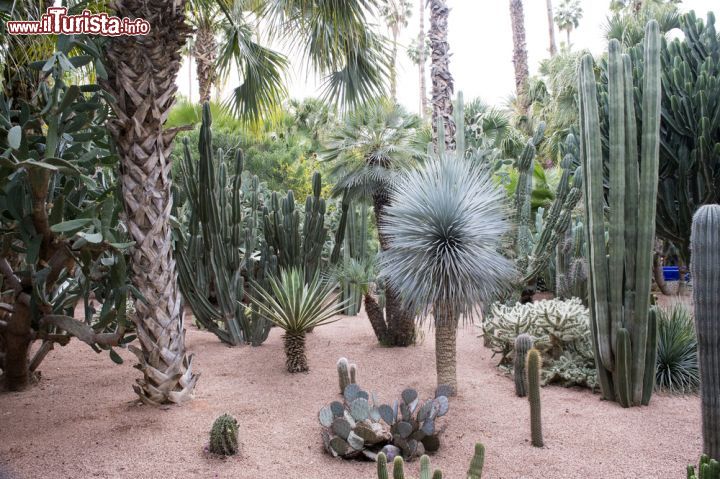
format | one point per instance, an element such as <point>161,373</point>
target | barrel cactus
<point>620,266</point>
<point>705,267</point>
<point>534,364</point>
<point>398,471</point>
<point>224,436</point>
<point>523,343</point>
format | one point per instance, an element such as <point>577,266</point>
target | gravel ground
<point>82,420</point>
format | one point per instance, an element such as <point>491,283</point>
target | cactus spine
<point>398,472</point>
<point>705,267</point>
<point>224,436</point>
<point>534,364</point>
<point>523,343</point>
<point>620,272</point>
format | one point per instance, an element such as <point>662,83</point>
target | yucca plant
<point>677,361</point>
<point>296,307</point>
<point>443,228</point>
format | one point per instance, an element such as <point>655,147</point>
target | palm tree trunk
<point>551,29</point>
<point>446,324</point>
<point>141,76</point>
<point>393,67</point>
<point>421,62</point>
<point>442,80</point>
<point>205,54</point>
<point>400,323</point>
<point>520,60</point>
<point>295,357</point>
<point>377,319</point>
<point>567,31</point>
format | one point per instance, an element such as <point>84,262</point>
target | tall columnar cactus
<point>523,343</point>
<point>296,246</point>
<point>571,265</point>
<point>224,436</point>
<point>705,267</point>
<point>398,471</point>
<point>620,272</point>
<point>215,251</point>
<point>534,365</point>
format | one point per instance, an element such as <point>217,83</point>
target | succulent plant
<point>398,471</point>
<point>346,373</point>
<point>707,469</point>
<point>534,364</point>
<point>224,436</point>
<point>523,343</point>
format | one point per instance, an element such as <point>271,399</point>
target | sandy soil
<point>82,421</point>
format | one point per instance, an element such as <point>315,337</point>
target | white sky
<point>480,40</point>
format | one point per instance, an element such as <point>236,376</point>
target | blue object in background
<point>671,273</point>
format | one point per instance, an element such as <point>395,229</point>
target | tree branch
<point>7,271</point>
<point>43,351</point>
<point>82,331</point>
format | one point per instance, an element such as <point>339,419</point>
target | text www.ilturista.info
<point>57,22</point>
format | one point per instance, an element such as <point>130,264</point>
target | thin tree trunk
<point>520,60</point>
<point>421,62</point>
<point>658,274</point>
<point>190,82</point>
<point>377,319</point>
<point>393,67</point>
<point>446,324</point>
<point>142,71</point>
<point>18,337</point>
<point>568,38</point>
<point>205,54</point>
<point>551,29</point>
<point>442,80</point>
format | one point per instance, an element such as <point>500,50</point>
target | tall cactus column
<point>620,271</point>
<point>705,267</point>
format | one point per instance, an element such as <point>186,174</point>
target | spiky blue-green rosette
<point>444,224</point>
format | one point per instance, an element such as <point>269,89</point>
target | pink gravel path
<point>82,420</point>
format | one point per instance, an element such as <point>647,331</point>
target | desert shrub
<point>560,330</point>
<point>677,362</point>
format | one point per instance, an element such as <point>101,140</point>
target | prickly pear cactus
<point>523,343</point>
<point>224,436</point>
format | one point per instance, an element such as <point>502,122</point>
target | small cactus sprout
<point>398,470</point>
<point>477,462</point>
<point>224,436</point>
<point>534,364</point>
<point>707,469</point>
<point>343,369</point>
<point>523,343</point>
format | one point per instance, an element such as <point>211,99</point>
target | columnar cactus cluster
<point>620,269</point>
<point>523,343</point>
<point>224,436</point>
<point>707,469</point>
<point>523,197</point>
<point>705,267</point>
<point>571,272</point>
<point>347,373</point>
<point>534,365</point>
<point>398,470</point>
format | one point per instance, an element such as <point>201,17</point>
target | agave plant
<point>297,307</point>
<point>677,360</point>
<point>443,227</point>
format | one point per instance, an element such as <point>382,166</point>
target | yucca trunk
<point>295,357</point>
<point>205,54</point>
<point>520,59</point>
<point>377,318</point>
<point>442,80</point>
<point>141,76</point>
<point>446,324</point>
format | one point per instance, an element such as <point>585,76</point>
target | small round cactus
<point>224,436</point>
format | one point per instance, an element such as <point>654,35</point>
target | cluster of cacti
<point>707,469</point>
<point>620,268</point>
<point>523,197</point>
<point>354,272</point>
<point>533,367</point>
<point>398,470</point>
<point>705,267</point>
<point>551,230</point>
<point>571,275</point>
<point>560,330</point>
<point>296,246</point>
<point>347,374</point>
<point>224,436</point>
<point>215,253</point>
<point>523,343</point>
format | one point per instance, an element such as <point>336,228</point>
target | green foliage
<point>474,471</point>
<point>707,469</point>
<point>533,367</point>
<point>224,436</point>
<point>677,362</point>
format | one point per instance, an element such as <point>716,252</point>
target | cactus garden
<point>362,238</point>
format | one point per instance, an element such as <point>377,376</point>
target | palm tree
<point>568,16</point>
<point>520,59</point>
<point>418,52</point>
<point>442,80</point>
<point>396,14</point>
<point>297,307</point>
<point>443,229</point>
<point>551,29</point>
<point>141,76</point>
<point>204,20</point>
<point>368,151</point>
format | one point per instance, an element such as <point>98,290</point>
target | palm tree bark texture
<point>141,76</point>
<point>205,54</point>
<point>442,80</point>
<point>520,59</point>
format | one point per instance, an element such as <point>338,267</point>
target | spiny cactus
<point>474,471</point>
<point>705,243</point>
<point>523,343</point>
<point>346,373</point>
<point>534,364</point>
<point>571,274</point>
<point>620,267</point>
<point>224,436</point>
<point>707,469</point>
